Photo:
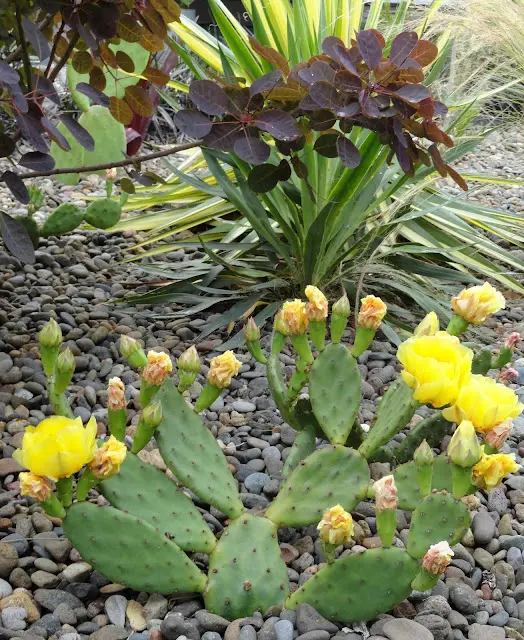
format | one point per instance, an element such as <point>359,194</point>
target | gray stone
<point>8,559</point>
<point>518,592</point>
<point>110,632</point>
<point>51,598</point>
<point>247,632</point>
<point>438,626</point>
<point>44,579</point>
<point>14,618</point>
<point>458,621</point>
<point>5,589</point>
<point>115,608</point>
<point>77,572</point>
<point>255,482</point>
<point>173,626</point>
<point>499,619</point>
<point>308,619</point>
<point>464,598</point>
<point>497,501</point>
<point>506,542</point>
<point>49,622</point>
<point>87,628</point>
<point>283,630</point>
<point>483,632</point>
<point>211,635</point>
<point>155,607</point>
<point>46,565</point>
<point>243,406</point>
<point>434,605</point>
<point>316,635</point>
<point>483,558</point>
<point>483,527</point>
<point>403,629</point>
<point>210,621</point>
<point>514,557</point>
<point>65,614</point>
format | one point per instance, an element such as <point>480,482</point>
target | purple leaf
<point>46,88</point>
<point>399,132</point>
<point>346,59</point>
<point>238,99</point>
<point>192,123</point>
<point>81,135</point>
<point>300,168</point>
<point>37,161</point>
<point>402,46</point>
<point>326,145</point>
<point>8,75</point>
<point>325,95</point>
<point>370,48</point>
<point>329,47</point>
<point>308,104</point>
<point>223,136</point>
<point>317,71</point>
<point>31,129</point>
<point>7,145</point>
<point>252,150</point>
<point>16,239</point>
<point>348,110</point>
<point>346,81</point>
<point>18,98</point>
<point>55,134</point>
<point>348,153</point>
<point>321,120</point>
<point>440,108</point>
<point>287,148</point>
<point>266,82</point>
<point>280,124</point>
<point>263,177</point>
<point>403,158</point>
<point>369,105</point>
<point>96,96</point>
<point>209,97</point>
<point>16,185</point>
<point>413,92</point>
<point>36,39</point>
<point>142,179</point>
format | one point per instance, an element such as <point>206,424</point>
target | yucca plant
<point>369,226</point>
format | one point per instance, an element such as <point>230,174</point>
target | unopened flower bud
<point>437,558</point>
<point>496,437</point>
<point>423,455</point>
<point>37,487</point>
<point>371,313</point>
<point>342,307</point>
<point>508,376</point>
<point>386,493</point>
<point>116,397</point>
<point>464,448</point>
<point>157,368</point>
<point>65,368</point>
<point>475,304</point>
<point>339,317</point>
<point>294,317</point>
<point>222,369</point>
<point>336,526</point>
<point>317,307</point>
<point>108,459</point>
<point>50,335</point>
<point>429,325</point>
<point>152,415</point>
<point>251,331</point>
<point>131,349</point>
<point>111,173</point>
<point>189,360</point>
<point>512,340</point>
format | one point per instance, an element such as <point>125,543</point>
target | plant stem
<point>58,401</point>
<point>64,486</point>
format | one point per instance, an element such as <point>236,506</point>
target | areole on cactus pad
<point>147,537</point>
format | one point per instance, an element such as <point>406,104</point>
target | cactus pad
<point>335,391</point>
<point>147,493</point>
<point>191,452</point>
<point>128,550</point>
<point>354,587</point>
<point>406,479</point>
<point>246,570</point>
<point>438,517</point>
<point>329,476</point>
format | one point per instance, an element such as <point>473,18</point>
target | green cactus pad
<point>354,587</point>
<point>438,517</point>
<point>246,570</point>
<point>130,551</point>
<point>64,219</point>
<point>103,213</point>
<point>393,413</point>
<point>147,493</point>
<point>193,455</point>
<point>329,476</point>
<point>409,495</point>
<point>335,391</point>
<point>304,444</point>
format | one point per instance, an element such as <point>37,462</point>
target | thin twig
<point>64,58</point>
<point>57,37</point>
<point>110,165</point>
<point>25,52</point>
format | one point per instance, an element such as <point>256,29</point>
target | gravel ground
<point>46,591</point>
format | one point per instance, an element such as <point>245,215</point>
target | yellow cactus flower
<point>336,526</point>
<point>464,447</point>
<point>496,437</point>
<point>475,304</point>
<point>116,396</point>
<point>294,317</point>
<point>281,325</point>
<point>317,307</point>
<point>436,367</point>
<point>371,313</point>
<point>485,403</point>
<point>57,447</point>
<point>437,558</point>
<point>157,368</point>
<point>108,459</point>
<point>37,487</point>
<point>385,493</point>
<point>222,369</point>
<point>491,469</point>
<point>429,325</point>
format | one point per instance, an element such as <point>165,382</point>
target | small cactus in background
<point>322,487</point>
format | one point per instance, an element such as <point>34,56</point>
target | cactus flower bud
<point>37,487</point>
<point>317,307</point>
<point>512,340</point>
<point>131,349</point>
<point>50,335</point>
<point>386,493</point>
<point>116,397</point>
<point>157,368</point>
<point>152,415</point>
<point>111,173</point>
<point>423,455</point>
<point>437,558</point>
<point>475,304</point>
<point>497,436</point>
<point>507,376</point>
<point>294,317</point>
<point>251,331</point>
<point>281,325</point>
<point>464,447</point>
<point>222,369</point>
<point>371,313</point>
<point>189,361</point>
<point>150,418</point>
<point>108,459</point>
<point>336,526</point>
<point>342,306</point>
<point>339,317</point>
<point>429,325</point>
<point>65,368</point>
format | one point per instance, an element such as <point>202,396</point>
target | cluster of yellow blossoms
<point>438,368</point>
